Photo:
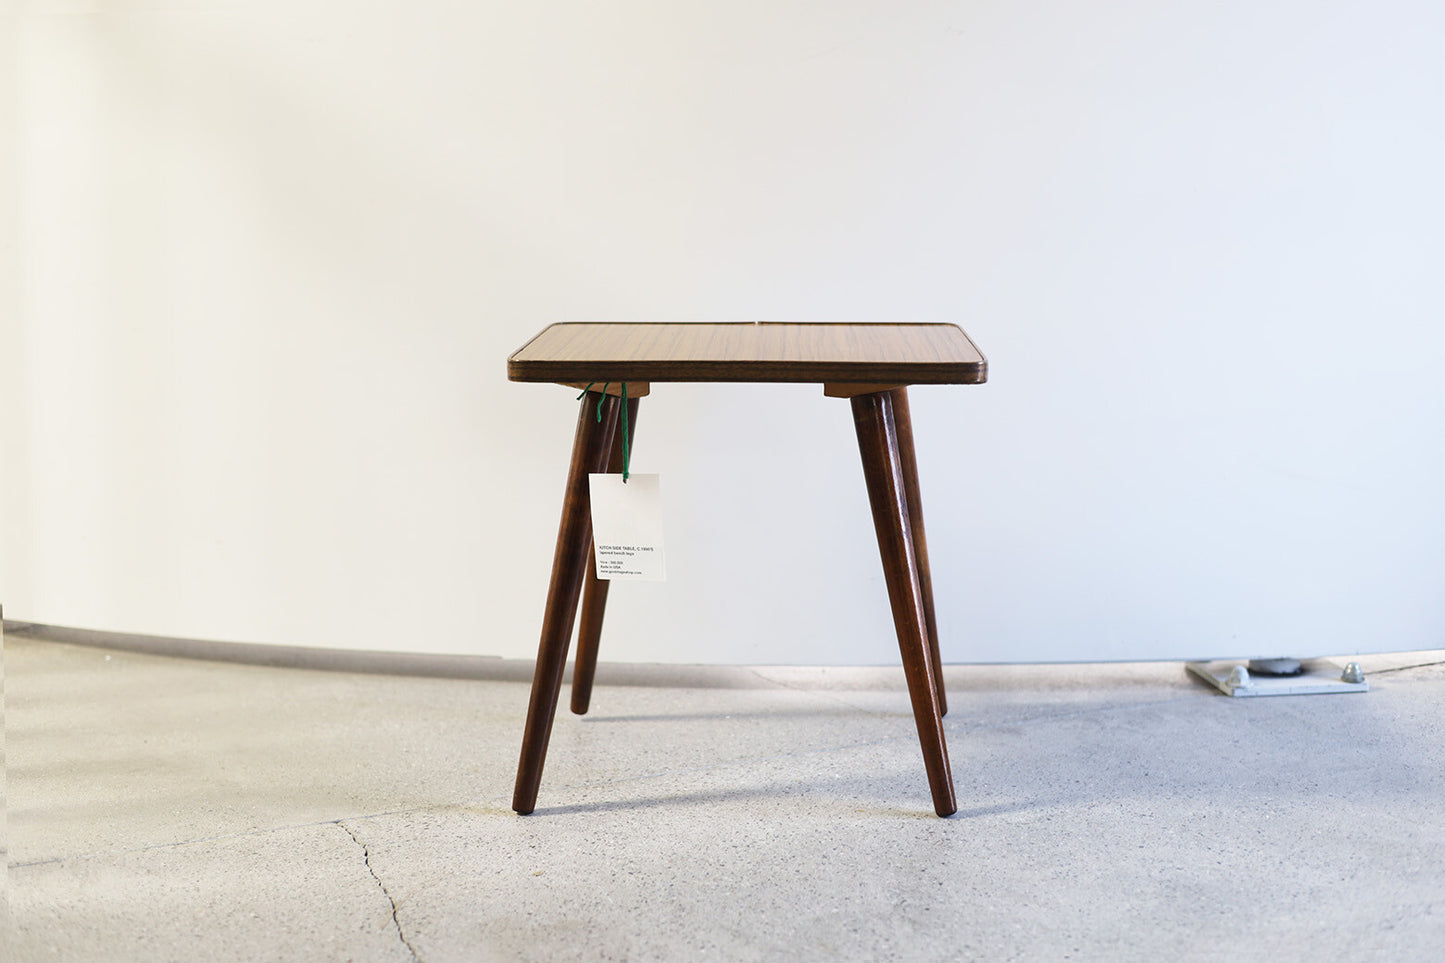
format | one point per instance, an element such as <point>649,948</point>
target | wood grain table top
<point>766,351</point>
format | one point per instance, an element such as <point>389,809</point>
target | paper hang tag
<point>627,527</point>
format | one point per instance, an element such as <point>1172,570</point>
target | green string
<point>626,450</point>
<point>626,446</point>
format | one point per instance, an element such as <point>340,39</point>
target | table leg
<point>594,595</point>
<point>874,417</point>
<point>591,447</point>
<point>904,421</point>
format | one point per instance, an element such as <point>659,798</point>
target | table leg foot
<point>591,447</point>
<point>875,418</point>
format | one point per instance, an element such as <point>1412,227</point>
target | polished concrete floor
<point>171,809</point>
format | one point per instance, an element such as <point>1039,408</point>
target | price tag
<point>627,527</point>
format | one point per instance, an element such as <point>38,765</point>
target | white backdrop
<point>274,256</point>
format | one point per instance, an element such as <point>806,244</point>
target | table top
<point>773,351</point>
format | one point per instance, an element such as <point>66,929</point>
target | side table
<point>870,364</point>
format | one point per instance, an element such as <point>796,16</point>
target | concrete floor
<point>170,809</point>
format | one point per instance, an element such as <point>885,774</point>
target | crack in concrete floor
<point>396,922</point>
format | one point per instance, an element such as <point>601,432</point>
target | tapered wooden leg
<point>594,594</point>
<point>904,421</point>
<point>590,449</point>
<point>874,416</point>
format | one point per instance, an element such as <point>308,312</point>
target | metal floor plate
<point>1319,677</point>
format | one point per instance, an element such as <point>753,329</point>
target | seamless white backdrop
<point>273,257</point>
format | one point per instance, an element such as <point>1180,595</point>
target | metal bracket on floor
<point>1313,677</point>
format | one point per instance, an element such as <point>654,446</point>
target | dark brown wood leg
<point>590,449</point>
<point>874,417</point>
<point>904,421</point>
<point>594,594</point>
<point>589,634</point>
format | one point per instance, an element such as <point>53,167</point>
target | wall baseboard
<point>481,667</point>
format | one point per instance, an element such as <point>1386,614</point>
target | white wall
<point>276,253</point>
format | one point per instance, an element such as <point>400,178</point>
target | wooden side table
<point>870,364</point>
